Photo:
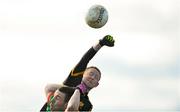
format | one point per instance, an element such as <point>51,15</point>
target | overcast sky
<point>42,40</point>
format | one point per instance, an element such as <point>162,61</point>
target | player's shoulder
<point>75,73</point>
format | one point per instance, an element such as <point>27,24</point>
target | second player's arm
<point>73,104</point>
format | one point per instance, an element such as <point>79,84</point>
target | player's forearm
<point>97,46</point>
<point>73,104</point>
<point>51,88</point>
<point>81,66</point>
<point>88,55</point>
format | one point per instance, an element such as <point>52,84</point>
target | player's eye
<point>91,73</point>
<point>58,97</point>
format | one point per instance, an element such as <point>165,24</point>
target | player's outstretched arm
<point>73,104</point>
<point>78,70</point>
<point>105,41</point>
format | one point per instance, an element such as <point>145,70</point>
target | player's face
<point>91,77</point>
<point>58,102</point>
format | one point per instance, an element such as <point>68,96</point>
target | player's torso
<point>85,104</point>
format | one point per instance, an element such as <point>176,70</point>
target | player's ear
<point>97,84</point>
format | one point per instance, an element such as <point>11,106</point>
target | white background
<point>42,40</point>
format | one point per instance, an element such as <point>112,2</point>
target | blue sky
<point>42,40</point>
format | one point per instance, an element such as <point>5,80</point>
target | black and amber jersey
<point>75,77</point>
<point>76,74</point>
<point>85,104</point>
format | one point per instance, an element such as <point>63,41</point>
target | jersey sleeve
<point>43,109</point>
<point>76,74</point>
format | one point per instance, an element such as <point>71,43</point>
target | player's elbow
<point>48,89</point>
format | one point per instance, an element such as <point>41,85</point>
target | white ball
<point>97,16</point>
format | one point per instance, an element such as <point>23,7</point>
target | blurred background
<point>42,40</point>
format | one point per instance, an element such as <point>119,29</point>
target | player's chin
<point>91,85</point>
<point>57,108</point>
<point>88,83</point>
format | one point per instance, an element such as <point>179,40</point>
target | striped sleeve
<point>76,74</point>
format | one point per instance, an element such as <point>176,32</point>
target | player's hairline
<point>94,68</point>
